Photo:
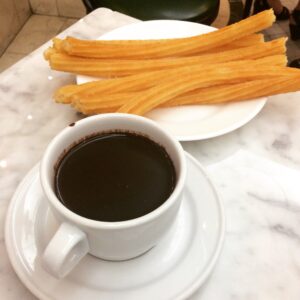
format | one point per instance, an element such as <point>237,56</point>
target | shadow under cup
<point>124,239</point>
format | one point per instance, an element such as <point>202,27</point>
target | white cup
<point>123,240</point>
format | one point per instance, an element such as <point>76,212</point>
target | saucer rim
<point>217,251</point>
<point>8,242</point>
<point>184,295</point>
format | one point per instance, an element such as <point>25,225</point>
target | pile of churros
<point>230,64</point>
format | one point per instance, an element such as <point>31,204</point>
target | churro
<point>188,81</point>
<point>172,47</point>
<point>230,64</point>
<point>218,94</point>
<point>146,80</point>
<point>112,68</point>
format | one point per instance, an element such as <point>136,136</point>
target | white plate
<point>193,122</point>
<point>172,270</point>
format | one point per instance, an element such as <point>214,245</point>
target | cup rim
<point>77,219</point>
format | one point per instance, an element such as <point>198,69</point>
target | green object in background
<point>201,11</point>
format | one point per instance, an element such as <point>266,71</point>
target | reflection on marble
<point>256,170</point>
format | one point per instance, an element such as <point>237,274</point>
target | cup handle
<point>67,247</point>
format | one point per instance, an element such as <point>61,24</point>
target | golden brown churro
<point>112,68</point>
<point>146,80</point>
<point>104,99</point>
<point>166,75</point>
<point>230,64</point>
<point>211,95</point>
<point>192,80</point>
<point>172,47</point>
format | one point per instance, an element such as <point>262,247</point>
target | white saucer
<point>172,270</point>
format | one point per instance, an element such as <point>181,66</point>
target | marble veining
<point>260,259</point>
<point>256,170</point>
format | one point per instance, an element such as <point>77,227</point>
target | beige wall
<point>64,8</point>
<point>13,14</point>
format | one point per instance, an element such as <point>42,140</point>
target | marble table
<point>256,170</point>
